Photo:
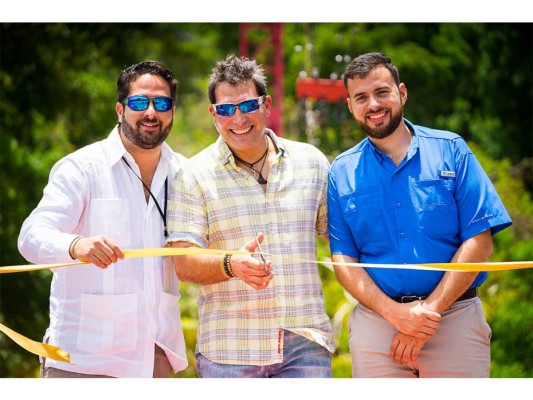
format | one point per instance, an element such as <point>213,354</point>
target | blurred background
<point>58,93</point>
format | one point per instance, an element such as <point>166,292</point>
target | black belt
<point>469,294</point>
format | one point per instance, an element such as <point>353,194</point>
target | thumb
<point>252,244</point>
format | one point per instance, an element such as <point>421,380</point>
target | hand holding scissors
<point>255,273</point>
<point>261,254</point>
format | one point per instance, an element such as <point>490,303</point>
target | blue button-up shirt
<point>420,211</point>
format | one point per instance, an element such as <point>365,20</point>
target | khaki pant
<point>161,368</point>
<point>460,347</point>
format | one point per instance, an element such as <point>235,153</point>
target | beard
<point>382,131</point>
<point>145,140</point>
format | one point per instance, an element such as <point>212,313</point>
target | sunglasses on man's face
<point>140,103</point>
<point>246,106</point>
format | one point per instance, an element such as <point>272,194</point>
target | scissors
<point>261,254</point>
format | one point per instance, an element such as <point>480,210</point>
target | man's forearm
<point>361,286</point>
<point>411,319</point>
<point>202,269</point>
<point>454,283</point>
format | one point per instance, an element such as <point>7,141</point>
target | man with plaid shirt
<point>253,189</point>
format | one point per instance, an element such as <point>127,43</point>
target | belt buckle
<point>410,299</point>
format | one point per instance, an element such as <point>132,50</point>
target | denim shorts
<point>302,358</point>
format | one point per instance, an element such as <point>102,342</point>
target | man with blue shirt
<point>410,195</point>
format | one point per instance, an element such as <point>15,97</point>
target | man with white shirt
<point>119,320</point>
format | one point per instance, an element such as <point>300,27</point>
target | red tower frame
<point>263,42</point>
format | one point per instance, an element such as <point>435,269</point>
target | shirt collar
<point>378,154</point>
<point>413,147</point>
<point>225,152</point>
<point>116,149</point>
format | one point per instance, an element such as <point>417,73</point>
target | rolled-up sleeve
<point>187,216</point>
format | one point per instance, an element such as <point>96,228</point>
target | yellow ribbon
<point>41,349</point>
<point>464,267</point>
<point>137,253</point>
<point>58,354</point>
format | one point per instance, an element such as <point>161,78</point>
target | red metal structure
<point>263,42</point>
<point>321,89</point>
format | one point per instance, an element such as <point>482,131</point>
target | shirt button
<point>394,176</point>
<point>398,205</point>
<point>402,234</point>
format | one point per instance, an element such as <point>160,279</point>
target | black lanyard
<point>163,214</point>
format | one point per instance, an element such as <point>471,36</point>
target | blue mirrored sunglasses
<point>246,106</point>
<point>140,103</point>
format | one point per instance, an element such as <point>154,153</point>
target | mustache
<point>375,111</point>
<point>149,120</point>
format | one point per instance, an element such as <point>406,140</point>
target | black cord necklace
<point>161,212</point>
<point>260,180</point>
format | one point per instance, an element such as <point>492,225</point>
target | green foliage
<point>474,79</point>
<point>512,326</point>
<point>58,90</point>
<point>58,94</point>
<point>507,296</point>
<point>189,323</point>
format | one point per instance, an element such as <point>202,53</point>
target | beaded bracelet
<point>71,247</point>
<point>222,268</point>
<point>227,266</point>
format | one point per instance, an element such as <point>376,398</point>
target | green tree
<point>57,94</point>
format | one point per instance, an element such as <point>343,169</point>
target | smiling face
<point>149,128</point>
<point>376,103</point>
<point>244,133</point>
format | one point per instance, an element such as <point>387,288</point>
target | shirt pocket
<point>436,208</point>
<point>363,213</point>
<point>110,217</point>
<point>108,324</point>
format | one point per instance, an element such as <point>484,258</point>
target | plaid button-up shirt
<point>216,204</point>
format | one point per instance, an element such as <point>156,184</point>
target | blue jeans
<point>302,358</point>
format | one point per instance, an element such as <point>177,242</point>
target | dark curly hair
<point>130,74</point>
<point>363,64</point>
<point>235,71</point>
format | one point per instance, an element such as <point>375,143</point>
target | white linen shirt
<point>108,320</point>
